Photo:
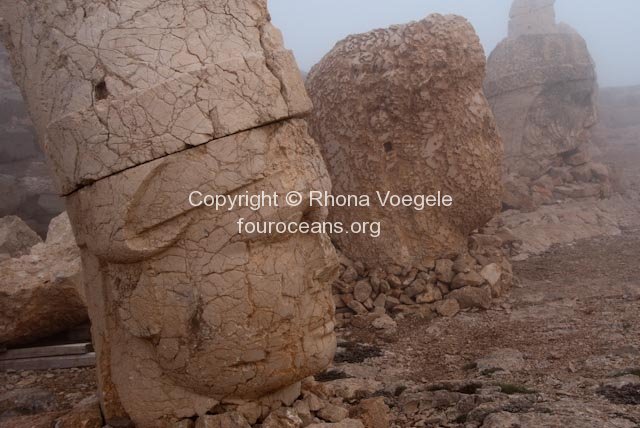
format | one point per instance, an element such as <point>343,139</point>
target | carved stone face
<point>559,120</point>
<point>190,302</point>
<point>542,91</point>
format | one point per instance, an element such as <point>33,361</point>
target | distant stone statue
<point>135,108</point>
<point>402,110</point>
<point>532,17</point>
<point>541,84</point>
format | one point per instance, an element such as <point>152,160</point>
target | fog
<point>312,27</point>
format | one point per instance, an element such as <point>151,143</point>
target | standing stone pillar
<point>136,105</point>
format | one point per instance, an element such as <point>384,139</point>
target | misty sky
<point>312,27</point>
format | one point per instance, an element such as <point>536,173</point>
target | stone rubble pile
<point>313,405</point>
<point>442,287</point>
<point>576,176</point>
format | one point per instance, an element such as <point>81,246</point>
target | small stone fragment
<point>362,291</point>
<point>472,297</point>
<point>385,322</point>
<point>491,273</point>
<point>333,413</point>
<point>373,412</point>
<point>469,279</point>
<point>444,270</point>
<point>431,295</point>
<point>284,417</point>
<point>346,423</point>
<point>447,307</point>
<point>225,420</point>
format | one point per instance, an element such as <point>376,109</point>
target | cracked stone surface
<point>402,109</point>
<point>113,85</point>
<point>138,104</point>
<point>185,307</point>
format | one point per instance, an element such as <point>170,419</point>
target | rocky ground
<point>562,350</point>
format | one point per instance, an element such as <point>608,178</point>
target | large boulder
<point>38,291</point>
<point>16,238</point>
<point>541,84</point>
<point>402,110</point>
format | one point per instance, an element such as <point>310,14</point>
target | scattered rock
<point>505,359</point>
<point>432,294</point>
<point>85,415</point>
<point>491,273</point>
<point>444,270</point>
<point>448,307</point>
<point>16,238</point>
<point>472,297</point>
<point>373,412</point>
<point>346,423</point>
<point>39,292</point>
<point>469,279</point>
<point>42,420</point>
<point>284,417</point>
<point>348,389</point>
<point>225,420</point>
<point>26,401</point>
<point>362,291</point>
<point>385,322</point>
<point>333,413</point>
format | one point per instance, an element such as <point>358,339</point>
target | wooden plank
<point>46,363</point>
<point>46,351</point>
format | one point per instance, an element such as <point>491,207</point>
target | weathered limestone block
<point>402,109</point>
<point>541,84</point>
<point>38,291</point>
<point>16,238</point>
<point>139,104</point>
<point>115,85</point>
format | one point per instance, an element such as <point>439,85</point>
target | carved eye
<point>388,147</point>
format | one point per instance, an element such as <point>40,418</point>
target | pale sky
<point>611,28</point>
